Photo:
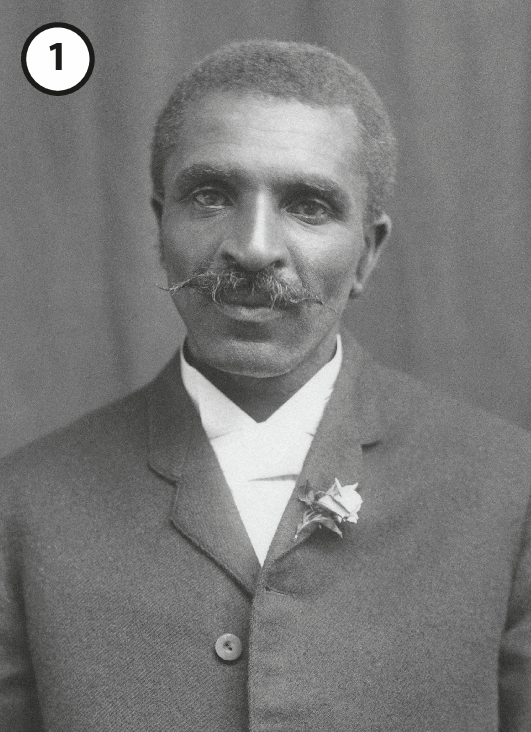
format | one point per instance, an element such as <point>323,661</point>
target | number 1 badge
<point>57,59</point>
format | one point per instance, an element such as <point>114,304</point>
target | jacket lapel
<point>351,422</point>
<point>203,510</point>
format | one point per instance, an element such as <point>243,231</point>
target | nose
<point>255,239</point>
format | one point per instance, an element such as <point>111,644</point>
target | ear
<point>157,204</point>
<point>376,235</point>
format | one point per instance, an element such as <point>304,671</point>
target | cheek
<point>334,265</point>
<point>182,249</point>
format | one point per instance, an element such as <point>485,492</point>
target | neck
<point>261,397</point>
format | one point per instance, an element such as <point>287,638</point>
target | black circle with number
<point>81,82</point>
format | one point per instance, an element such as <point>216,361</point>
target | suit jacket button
<point>228,647</point>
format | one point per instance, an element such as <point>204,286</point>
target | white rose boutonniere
<point>329,508</point>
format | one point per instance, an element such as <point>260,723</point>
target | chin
<point>258,360</point>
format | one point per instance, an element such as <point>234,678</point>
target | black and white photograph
<point>265,384</point>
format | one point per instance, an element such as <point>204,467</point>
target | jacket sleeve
<point>19,708</point>
<point>515,653</point>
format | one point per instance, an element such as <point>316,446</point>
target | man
<point>276,534</point>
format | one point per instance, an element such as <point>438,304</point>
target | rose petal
<point>350,498</point>
<point>334,489</point>
<point>333,505</point>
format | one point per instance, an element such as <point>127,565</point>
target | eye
<point>210,199</point>
<point>310,210</point>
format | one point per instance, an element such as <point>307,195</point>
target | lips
<point>246,300</point>
<point>248,313</point>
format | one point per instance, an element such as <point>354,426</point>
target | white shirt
<point>261,461</point>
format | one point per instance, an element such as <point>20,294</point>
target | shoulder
<point>410,403</point>
<point>99,444</point>
<point>450,437</point>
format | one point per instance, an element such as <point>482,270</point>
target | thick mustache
<point>264,285</point>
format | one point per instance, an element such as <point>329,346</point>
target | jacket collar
<point>204,510</point>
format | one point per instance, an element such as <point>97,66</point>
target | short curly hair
<point>309,74</point>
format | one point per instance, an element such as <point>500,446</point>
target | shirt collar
<point>220,416</point>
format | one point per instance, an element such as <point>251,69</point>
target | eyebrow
<point>199,172</point>
<point>301,183</point>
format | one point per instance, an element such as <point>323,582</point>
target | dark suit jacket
<point>118,577</point>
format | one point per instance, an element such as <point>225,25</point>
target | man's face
<point>265,185</point>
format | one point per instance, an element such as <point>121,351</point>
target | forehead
<point>266,138</point>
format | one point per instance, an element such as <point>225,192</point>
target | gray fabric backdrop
<point>82,320</point>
